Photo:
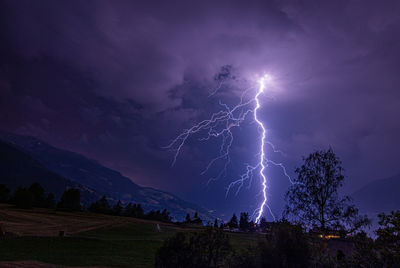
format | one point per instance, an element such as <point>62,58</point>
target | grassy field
<point>92,239</point>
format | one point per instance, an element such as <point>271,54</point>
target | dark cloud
<point>118,80</point>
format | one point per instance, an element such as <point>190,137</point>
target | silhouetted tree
<point>233,223</point>
<point>263,224</point>
<point>158,216</point>
<point>165,215</point>
<point>133,210</point>
<point>70,200</point>
<point>117,208</point>
<point>100,206</point>
<point>38,194</point>
<point>215,223</point>
<point>129,210</point>
<point>196,219</point>
<point>388,241</point>
<point>50,201</point>
<point>314,199</point>
<point>244,221</point>
<point>23,198</point>
<point>139,211</point>
<point>188,219</point>
<point>4,194</point>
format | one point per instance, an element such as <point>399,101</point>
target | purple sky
<point>117,80</point>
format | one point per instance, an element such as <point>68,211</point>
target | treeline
<point>243,224</point>
<point>102,206</point>
<point>195,220</point>
<point>36,196</point>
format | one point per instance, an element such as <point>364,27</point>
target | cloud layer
<point>117,80</point>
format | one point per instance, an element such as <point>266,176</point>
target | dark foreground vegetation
<point>285,245</point>
<point>320,228</point>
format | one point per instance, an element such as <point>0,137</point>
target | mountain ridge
<point>368,199</point>
<point>105,181</point>
<point>19,169</point>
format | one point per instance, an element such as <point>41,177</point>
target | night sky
<point>118,80</point>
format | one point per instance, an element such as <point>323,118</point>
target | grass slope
<point>92,239</point>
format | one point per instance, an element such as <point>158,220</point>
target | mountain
<point>76,167</point>
<point>379,195</point>
<point>19,169</point>
<point>104,181</point>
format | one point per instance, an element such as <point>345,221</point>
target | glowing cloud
<point>220,124</point>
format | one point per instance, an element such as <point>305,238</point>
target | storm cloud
<point>117,80</point>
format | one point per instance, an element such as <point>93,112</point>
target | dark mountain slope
<point>76,167</point>
<point>19,169</point>
<point>379,196</point>
<point>103,180</point>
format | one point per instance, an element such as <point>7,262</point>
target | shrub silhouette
<point>286,246</point>
<point>209,248</point>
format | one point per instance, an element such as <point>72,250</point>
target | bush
<point>286,246</point>
<point>243,258</point>
<point>209,248</point>
<point>174,252</point>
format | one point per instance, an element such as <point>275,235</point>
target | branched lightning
<point>220,124</point>
<point>262,153</point>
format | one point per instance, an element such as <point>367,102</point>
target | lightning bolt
<point>220,124</point>
<point>262,153</point>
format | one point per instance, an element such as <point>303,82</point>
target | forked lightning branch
<point>220,125</point>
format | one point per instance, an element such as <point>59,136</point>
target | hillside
<point>379,196</point>
<point>103,180</point>
<point>19,169</point>
<point>91,239</point>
